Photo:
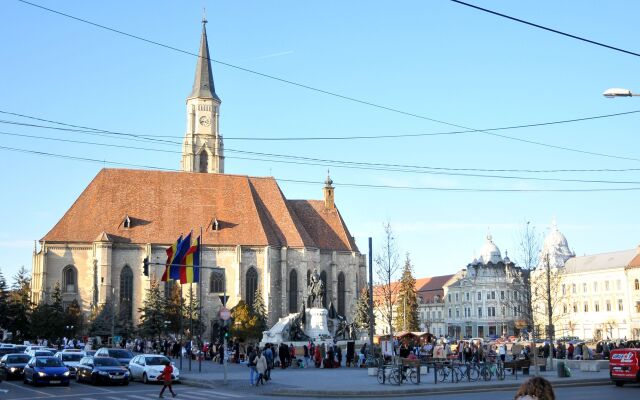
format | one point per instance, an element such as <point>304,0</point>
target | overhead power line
<point>335,163</point>
<point>548,29</point>
<point>311,88</point>
<point>138,137</point>
<point>346,184</point>
<point>403,168</point>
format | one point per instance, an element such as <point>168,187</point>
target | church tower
<point>203,149</point>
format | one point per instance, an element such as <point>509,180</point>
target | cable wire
<point>355,185</point>
<point>547,29</point>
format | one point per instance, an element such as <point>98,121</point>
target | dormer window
<point>215,225</point>
<point>126,224</point>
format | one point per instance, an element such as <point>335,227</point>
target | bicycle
<point>448,370</point>
<point>399,374</point>
<point>487,371</point>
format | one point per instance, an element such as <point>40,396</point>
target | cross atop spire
<point>203,86</point>
<point>204,16</point>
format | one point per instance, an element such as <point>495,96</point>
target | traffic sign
<point>225,314</point>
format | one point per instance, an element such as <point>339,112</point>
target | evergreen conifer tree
<point>20,306</point>
<point>4,303</point>
<point>260,310</point>
<point>152,312</point>
<point>406,316</point>
<point>174,309</point>
<point>362,317</point>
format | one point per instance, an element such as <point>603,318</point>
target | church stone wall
<point>57,257</point>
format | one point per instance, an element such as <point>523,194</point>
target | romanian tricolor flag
<point>179,256</point>
<point>171,250</point>
<point>190,271</point>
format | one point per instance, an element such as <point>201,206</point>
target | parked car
<point>12,365</point>
<point>71,360</point>
<point>33,347</point>
<point>147,368</point>
<point>46,370</point>
<point>39,353</point>
<point>122,355</point>
<point>102,370</point>
<point>7,350</point>
<point>90,352</point>
<point>20,348</point>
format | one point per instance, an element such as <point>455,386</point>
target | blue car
<point>46,370</point>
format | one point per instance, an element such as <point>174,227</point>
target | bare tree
<point>528,257</point>
<point>550,297</point>
<point>386,288</point>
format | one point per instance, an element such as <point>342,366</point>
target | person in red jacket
<point>165,377</point>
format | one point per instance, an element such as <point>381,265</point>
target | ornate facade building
<point>593,296</point>
<point>485,298</point>
<point>250,229</point>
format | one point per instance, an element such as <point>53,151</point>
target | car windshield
<point>71,356</point>
<point>106,362</point>
<point>20,348</point>
<point>42,354</point>
<point>18,358</point>
<point>120,354</point>
<point>156,360</point>
<point>48,362</point>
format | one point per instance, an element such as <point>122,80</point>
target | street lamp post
<point>617,92</point>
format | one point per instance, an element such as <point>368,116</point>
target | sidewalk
<point>353,382</point>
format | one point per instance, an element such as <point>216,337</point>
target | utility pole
<point>371,317</point>
<point>549,311</point>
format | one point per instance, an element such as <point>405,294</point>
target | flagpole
<point>200,341</point>
<point>181,327</point>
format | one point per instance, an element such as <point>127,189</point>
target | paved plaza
<point>314,382</point>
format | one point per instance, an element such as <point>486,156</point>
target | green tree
<point>174,309</point>
<point>362,316</point>
<point>20,306</point>
<point>4,303</point>
<point>57,314</point>
<point>101,320</point>
<point>73,318</point>
<point>406,316</point>
<point>192,314</point>
<point>152,312</point>
<point>260,310</point>
<point>245,323</point>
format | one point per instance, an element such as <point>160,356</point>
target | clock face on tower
<point>205,121</point>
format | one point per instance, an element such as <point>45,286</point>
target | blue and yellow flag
<point>190,272</point>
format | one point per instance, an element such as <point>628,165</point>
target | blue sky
<point>434,58</point>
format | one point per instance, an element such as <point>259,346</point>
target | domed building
<point>484,298</point>
<point>592,296</point>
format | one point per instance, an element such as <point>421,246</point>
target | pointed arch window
<point>293,291</point>
<point>126,293</point>
<point>341,294</point>
<point>204,161</point>
<point>251,282</point>
<point>637,284</point>
<point>323,278</point>
<point>69,279</point>
<point>216,282</point>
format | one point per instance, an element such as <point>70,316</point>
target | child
<point>165,377</point>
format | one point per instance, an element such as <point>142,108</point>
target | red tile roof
<point>426,288</point>
<point>635,262</point>
<point>162,205</point>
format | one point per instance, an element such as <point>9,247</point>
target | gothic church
<point>250,229</point>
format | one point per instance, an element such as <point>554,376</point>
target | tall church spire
<point>203,86</point>
<point>203,149</point>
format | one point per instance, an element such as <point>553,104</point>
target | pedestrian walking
<point>261,367</point>
<point>251,363</point>
<point>166,379</point>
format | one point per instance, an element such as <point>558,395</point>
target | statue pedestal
<point>316,325</point>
